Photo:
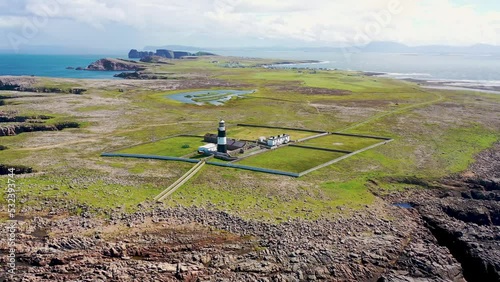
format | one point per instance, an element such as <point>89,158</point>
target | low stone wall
<point>321,149</point>
<point>149,157</point>
<point>256,169</point>
<point>284,128</point>
<point>361,136</point>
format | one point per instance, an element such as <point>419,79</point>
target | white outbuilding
<point>208,149</point>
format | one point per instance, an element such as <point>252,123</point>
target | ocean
<point>484,70</point>
<point>52,65</point>
<point>479,69</point>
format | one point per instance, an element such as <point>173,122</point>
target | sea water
<point>484,70</point>
<point>52,65</point>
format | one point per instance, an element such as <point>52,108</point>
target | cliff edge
<point>109,64</point>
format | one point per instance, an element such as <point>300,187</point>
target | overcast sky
<point>124,24</point>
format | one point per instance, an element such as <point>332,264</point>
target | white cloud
<point>92,12</point>
<point>11,21</point>
<point>322,22</point>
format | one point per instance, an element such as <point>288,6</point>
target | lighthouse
<point>221,138</point>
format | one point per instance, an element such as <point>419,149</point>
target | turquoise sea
<point>52,65</point>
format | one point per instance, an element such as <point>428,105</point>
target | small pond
<point>214,97</point>
<point>403,205</point>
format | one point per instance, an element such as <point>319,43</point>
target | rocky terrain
<point>14,129</point>
<point>140,75</point>
<point>463,213</point>
<point>18,169</point>
<point>164,53</point>
<point>190,244</point>
<point>448,233</point>
<point>12,124</point>
<point>114,65</point>
<point>451,234</point>
<point>25,84</point>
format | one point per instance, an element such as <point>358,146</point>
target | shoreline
<point>429,83</point>
<point>457,85</point>
<point>447,84</point>
<point>422,79</point>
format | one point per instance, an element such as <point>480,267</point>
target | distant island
<point>169,54</point>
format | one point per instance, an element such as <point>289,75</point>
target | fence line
<point>321,149</point>
<point>361,136</point>
<point>150,157</point>
<point>284,128</point>
<point>343,158</point>
<point>256,169</point>
<point>313,137</point>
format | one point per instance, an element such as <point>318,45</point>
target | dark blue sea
<point>52,65</point>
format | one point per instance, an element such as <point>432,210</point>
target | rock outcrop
<point>140,75</point>
<point>15,118</point>
<point>164,53</point>
<point>22,86</point>
<point>114,65</point>
<point>134,54</point>
<point>14,129</point>
<point>18,169</point>
<point>195,244</point>
<point>463,214</point>
<point>154,59</point>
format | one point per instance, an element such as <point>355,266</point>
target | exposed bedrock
<point>14,118</point>
<point>27,86</point>
<point>464,216</point>
<point>193,243</point>
<point>11,130</point>
<point>477,248</point>
<point>140,75</point>
<point>114,65</point>
<point>18,169</point>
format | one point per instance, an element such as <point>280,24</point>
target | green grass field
<point>254,133</point>
<point>436,133</point>
<point>340,142</point>
<point>172,147</point>
<point>290,159</point>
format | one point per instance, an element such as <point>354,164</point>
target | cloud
<point>92,12</point>
<point>320,22</point>
<point>11,21</point>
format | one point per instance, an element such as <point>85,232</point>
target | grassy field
<point>436,133</point>
<point>290,159</point>
<point>340,142</point>
<point>84,188</point>
<point>172,147</point>
<point>254,133</point>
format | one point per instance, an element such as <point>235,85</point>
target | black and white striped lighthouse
<point>221,138</point>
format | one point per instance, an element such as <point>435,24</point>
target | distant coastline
<point>472,74</point>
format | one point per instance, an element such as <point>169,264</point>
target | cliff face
<point>134,54</point>
<point>169,54</point>
<point>113,65</point>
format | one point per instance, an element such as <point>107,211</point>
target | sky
<point>125,24</point>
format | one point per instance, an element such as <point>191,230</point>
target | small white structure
<point>278,140</point>
<point>208,149</point>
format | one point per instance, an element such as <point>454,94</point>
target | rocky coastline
<point>450,233</point>
<point>24,84</point>
<point>108,64</point>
